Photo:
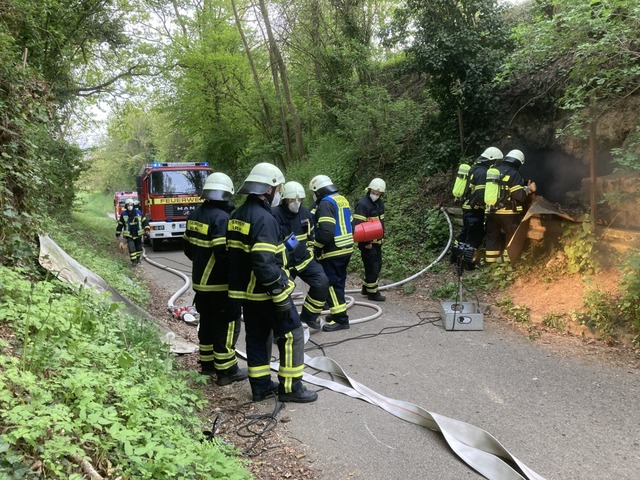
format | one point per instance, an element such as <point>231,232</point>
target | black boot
<point>269,392</point>
<point>376,297</point>
<point>334,326</point>
<point>228,379</point>
<point>301,396</point>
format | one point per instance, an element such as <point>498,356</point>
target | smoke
<point>554,172</point>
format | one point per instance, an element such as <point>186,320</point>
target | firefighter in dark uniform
<point>296,226</point>
<point>132,225</point>
<point>371,207</point>
<point>205,244</point>
<point>473,210</point>
<point>504,218</point>
<point>333,246</point>
<point>258,278</point>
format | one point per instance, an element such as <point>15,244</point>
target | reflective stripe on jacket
<point>257,257</point>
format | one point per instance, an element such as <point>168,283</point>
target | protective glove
<point>530,187</point>
<point>117,234</point>
<point>283,310</point>
<point>317,252</point>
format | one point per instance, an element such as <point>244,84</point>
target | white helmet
<point>263,176</point>
<point>491,153</point>
<point>318,182</point>
<point>218,186</point>
<point>293,190</point>
<point>378,185</point>
<point>322,186</point>
<point>514,156</point>
<point>129,201</point>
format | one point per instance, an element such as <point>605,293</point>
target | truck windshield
<point>178,182</point>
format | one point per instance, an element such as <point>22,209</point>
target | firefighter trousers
<point>218,332</point>
<point>314,276</point>
<point>336,270</point>
<point>134,244</point>
<point>372,261</point>
<point>261,327</point>
<point>500,230</point>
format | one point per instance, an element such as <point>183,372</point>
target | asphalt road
<point>565,417</point>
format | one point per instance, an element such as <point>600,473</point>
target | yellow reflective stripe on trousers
<point>259,371</point>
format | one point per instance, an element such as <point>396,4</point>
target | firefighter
<point>205,244</point>
<point>473,210</point>
<point>371,207</point>
<point>258,278</point>
<point>132,226</point>
<point>296,226</point>
<point>332,246</point>
<point>503,218</point>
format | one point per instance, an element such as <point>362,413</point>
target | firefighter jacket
<point>367,210</point>
<point>334,233</point>
<point>205,244</point>
<point>257,257</point>
<point>132,224</point>
<point>512,195</point>
<point>301,225</point>
<point>474,198</point>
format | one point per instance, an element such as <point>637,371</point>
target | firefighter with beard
<point>296,226</point>
<point>371,207</point>
<point>258,278</point>
<point>504,217</point>
<point>132,225</point>
<point>473,210</point>
<point>205,244</point>
<point>333,246</point>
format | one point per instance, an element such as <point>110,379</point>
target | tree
<point>591,56</point>
<point>459,45</point>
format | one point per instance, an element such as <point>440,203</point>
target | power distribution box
<point>461,316</point>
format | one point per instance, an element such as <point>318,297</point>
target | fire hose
<point>475,446</point>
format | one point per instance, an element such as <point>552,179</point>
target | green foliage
<point>460,47</point>
<point>579,245</point>
<point>586,50</point>
<point>374,124</point>
<point>602,314</point>
<point>629,303</point>
<point>99,384</point>
<point>518,313</point>
<point>627,156</point>
<point>557,321</point>
<point>501,275</point>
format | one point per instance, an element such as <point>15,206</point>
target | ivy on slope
<point>81,380</point>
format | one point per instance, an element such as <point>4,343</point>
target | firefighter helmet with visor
<point>218,187</point>
<point>514,156</point>
<point>491,154</point>
<point>261,178</point>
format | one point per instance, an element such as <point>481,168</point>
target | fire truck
<point>118,201</point>
<point>168,193</point>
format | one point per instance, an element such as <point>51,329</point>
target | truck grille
<point>177,210</point>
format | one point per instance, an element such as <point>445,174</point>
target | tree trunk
<point>268,121</point>
<point>281,70</point>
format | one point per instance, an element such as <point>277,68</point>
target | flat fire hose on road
<point>475,446</point>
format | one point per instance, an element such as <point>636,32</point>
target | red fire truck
<point>118,201</point>
<point>168,192</point>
